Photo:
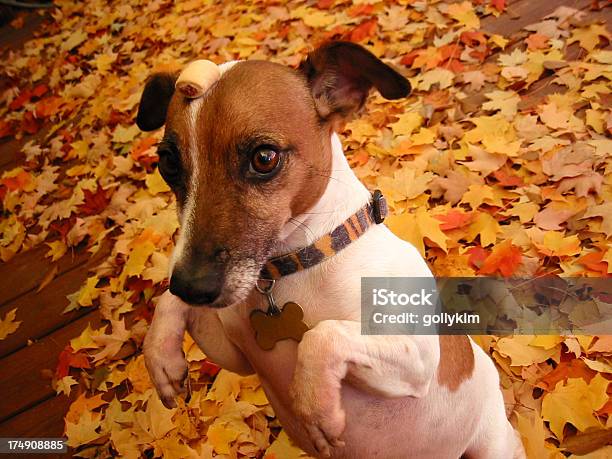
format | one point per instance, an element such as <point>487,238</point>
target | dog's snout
<point>196,285</point>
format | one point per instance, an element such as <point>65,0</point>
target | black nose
<point>200,285</point>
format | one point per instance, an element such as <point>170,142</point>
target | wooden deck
<point>29,406</point>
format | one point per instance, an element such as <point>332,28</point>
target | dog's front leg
<point>335,350</point>
<point>163,345</point>
<point>163,348</point>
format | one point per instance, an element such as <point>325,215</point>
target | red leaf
<point>504,259</point>
<point>69,359</point>
<point>409,58</point>
<point>48,106</point>
<point>40,90</point>
<point>19,101</point>
<point>499,5</point>
<point>17,182</point>
<point>95,202</point>
<point>30,124</point>
<point>137,286</point>
<point>477,256</point>
<point>5,129</point>
<point>209,368</point>
<point>364,30</point>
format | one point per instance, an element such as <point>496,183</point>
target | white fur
<point>339,393</point>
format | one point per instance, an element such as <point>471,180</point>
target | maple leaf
<point>64,385</point>
<point>8,324</point>
<point>575,402</point>
<point>505,259</point>
<point>589,37</point>
<point>111,344</point>
<point>454,219</point>
<point>415,227</point>
<point>84,431</point>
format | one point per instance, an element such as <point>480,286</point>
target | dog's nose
<point>196,286</point>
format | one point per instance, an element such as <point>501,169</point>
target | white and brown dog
<point>258,172</point>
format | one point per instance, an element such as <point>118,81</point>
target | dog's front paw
<point>318,406</point>
<point>316,395</point>
<point>167,367</point>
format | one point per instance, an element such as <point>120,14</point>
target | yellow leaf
<point>588,37</point>
<point>137,259</point>
<point>414,227</point>
<point>89,292</point>
<point>74,40</point>
<point>57,250</point>
<point>555,245</point>
<point>124,135</point>
<point>504,101</point>
<point>84,431</point>
<point>84,340</point>
<point>9,325</point>
<point>64,385</point>
<point>423,137</point>
<point>283,448</point>
<point>533,435</point>
<point>486,226</point>
<point>407,123</point>
<point>521,353</point>
<point>464,14</point>
<point>155,183</point>
<point>575,402</point>
<point>440,76</point>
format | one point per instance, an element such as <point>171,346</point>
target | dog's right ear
<point>154,102</point>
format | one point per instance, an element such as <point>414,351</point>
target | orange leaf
<point>18,182</point>
<point>574,368</point>
<point>504,259</point>
<point>454,219</point>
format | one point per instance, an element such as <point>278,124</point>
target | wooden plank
<point>12,38</point>
<point>526,12</point>
<point>26,270</point>
<point>41,312</point>
<point>22,384</point>
<point>44,420</point>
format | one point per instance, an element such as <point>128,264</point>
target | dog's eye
<point>264,161</point>
<point>169,167</point>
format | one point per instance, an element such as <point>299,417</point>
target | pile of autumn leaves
<point>479,179</point>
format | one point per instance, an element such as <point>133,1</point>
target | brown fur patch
<point>456,361</point>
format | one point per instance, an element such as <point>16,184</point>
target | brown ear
<point>341,74</point>
<point>154,102</point>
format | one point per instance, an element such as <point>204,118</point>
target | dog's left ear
<point>154,101</point>
<point>341,74</point>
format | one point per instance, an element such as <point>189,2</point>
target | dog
<point>259,172</point>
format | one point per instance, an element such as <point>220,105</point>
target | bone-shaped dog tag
<point>271,328</point>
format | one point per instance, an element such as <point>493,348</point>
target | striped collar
<point>330,244</point>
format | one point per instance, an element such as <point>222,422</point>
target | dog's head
<point>250,154</point>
